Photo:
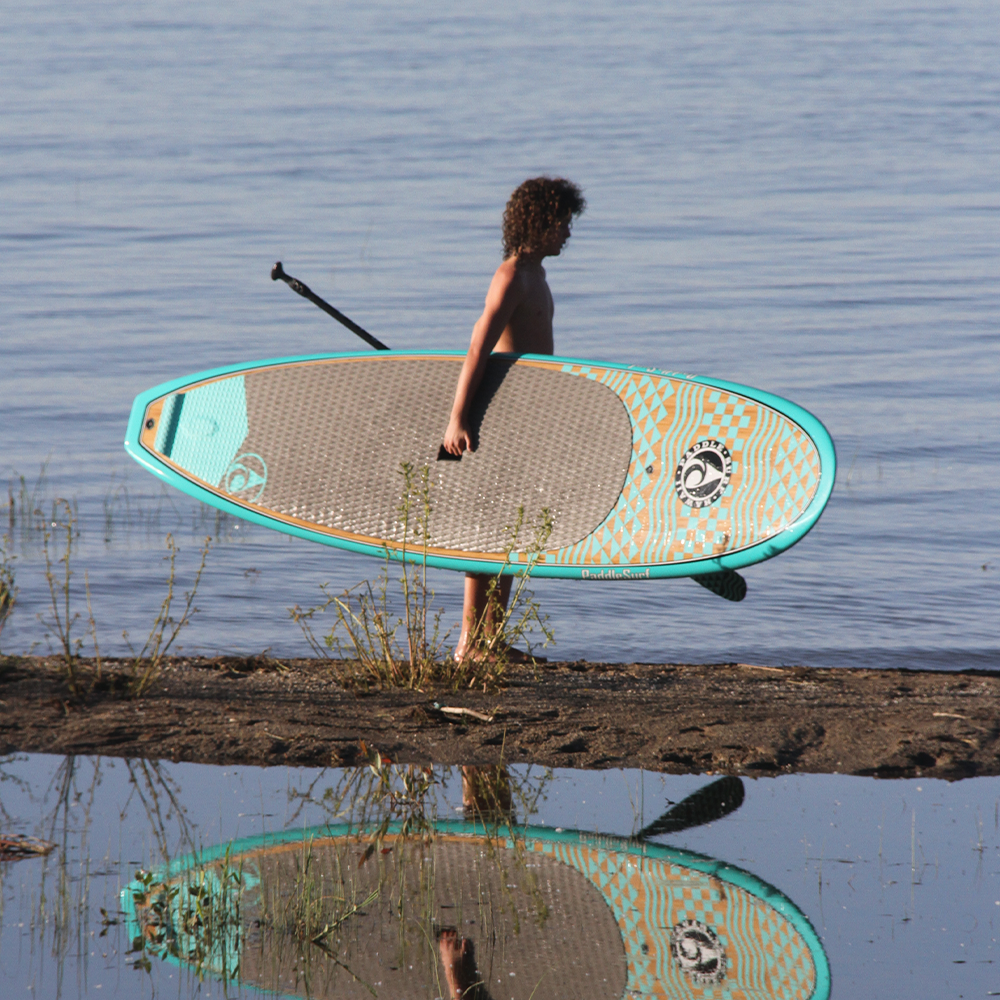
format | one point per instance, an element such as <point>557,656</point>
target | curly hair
<point>535,209</point>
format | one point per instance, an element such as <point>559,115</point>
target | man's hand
<point>457,438</point>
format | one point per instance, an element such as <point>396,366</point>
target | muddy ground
<point>731,717</point>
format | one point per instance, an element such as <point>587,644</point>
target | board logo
<point>703,473</point>
<point>246,477</point>
<point>698,952</point>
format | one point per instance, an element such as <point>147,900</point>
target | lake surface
<point>899,879</point>
<point>799,197</point>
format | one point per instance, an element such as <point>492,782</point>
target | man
<point>517,318</point>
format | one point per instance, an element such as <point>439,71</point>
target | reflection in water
<point>58,925</point>
<point>899,877</point>
<point>397,901</point>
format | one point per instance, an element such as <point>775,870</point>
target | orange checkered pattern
<point>766,958</point>
<point>774,475</point>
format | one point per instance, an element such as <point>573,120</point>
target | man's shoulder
<point>525,273</point>
<point>508,280</point>
<point>507,271</point>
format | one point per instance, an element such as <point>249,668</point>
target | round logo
<point>703,473</point>
<point>246,477</point>
<point>698,952</point>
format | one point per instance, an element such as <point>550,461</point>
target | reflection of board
<point>558,913</point>
<point>644,474</point>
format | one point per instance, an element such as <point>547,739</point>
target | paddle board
<point>550,913</point>
<point>641,473</point>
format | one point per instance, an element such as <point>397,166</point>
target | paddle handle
<point>307,293</point>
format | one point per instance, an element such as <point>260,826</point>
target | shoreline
<point>727,718</point>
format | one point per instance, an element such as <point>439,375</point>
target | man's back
<point>529,329</point>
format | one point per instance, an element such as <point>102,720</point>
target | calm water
<point>801,197</point>
<point>900,879</point>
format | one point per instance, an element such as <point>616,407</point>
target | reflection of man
<point>486,794</point>
<point>486,798</point>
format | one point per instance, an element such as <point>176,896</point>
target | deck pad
<point>641,473</point>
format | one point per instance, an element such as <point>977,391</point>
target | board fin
<point>726,583</point>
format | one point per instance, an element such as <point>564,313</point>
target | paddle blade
<point>727,583</point>
<point>709,803</point>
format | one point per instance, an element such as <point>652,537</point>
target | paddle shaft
<point>307,293</point>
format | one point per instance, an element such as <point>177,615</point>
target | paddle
<point>307,293</point>
<point>709,803</point>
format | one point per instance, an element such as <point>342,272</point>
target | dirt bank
<point>730,717</point>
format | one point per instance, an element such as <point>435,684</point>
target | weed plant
<point>146,664</point>
<point>126,511</point>
<point>61,624</point>
<point>25,505</point>
<point>8,587</point>
<point>62,621</point>
<point>381,641</point>
<point>392,647</point>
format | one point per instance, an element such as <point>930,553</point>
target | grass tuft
<point>381,639</point>
<point>8,586</point>
<point>146,665</point>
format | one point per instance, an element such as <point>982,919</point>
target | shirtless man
<point>517,318</point>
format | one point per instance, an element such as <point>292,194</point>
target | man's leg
<point>486,792</point>
<point>474,609</point>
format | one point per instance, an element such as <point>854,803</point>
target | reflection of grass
<point>60,905</point>
<point>381,641</point>
<point>197,919</point>
<point>216,913</point>
<point>403,798</point>
<point>295,916</point>
<point>314,907</point>
<point>160,797</point>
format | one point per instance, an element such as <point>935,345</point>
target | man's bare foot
<point>458,959</point>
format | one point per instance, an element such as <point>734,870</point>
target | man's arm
<point>501,300</point>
